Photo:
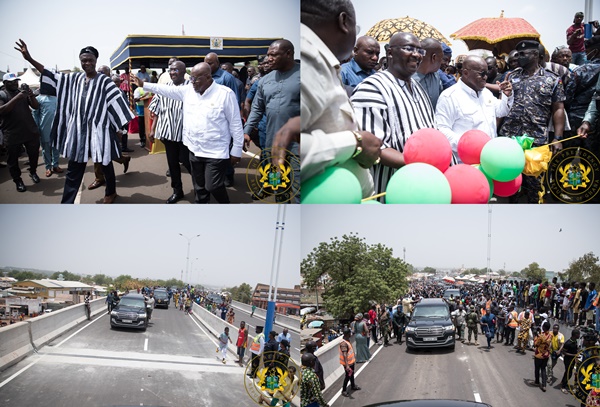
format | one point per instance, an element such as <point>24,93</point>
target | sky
<point>549,17</point>
<point>55,31</point>
<point>452,236</point>
<point>235,245</point>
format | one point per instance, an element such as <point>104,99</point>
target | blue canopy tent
<point>155,50</point>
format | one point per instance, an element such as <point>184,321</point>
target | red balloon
<point>428,146</point>
<point>508,188</point>
<point>468,185</point>
<point>470,145</point>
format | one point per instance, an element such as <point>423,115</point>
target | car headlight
<point>410,329</point>
<point>113,313</point>
<point>142,315</point>
<point>449,328</point>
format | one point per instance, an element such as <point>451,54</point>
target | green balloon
<point>333,186</point>
<point>418,183</point>
<point>502,159</point>
<point>490,181</point>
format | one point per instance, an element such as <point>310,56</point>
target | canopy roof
<point>155,50</point>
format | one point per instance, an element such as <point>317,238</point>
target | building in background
<point>287,301</point>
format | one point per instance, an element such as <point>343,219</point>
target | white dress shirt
<point>210,120</point>
<point>460,109</point>
<point>327,117</point>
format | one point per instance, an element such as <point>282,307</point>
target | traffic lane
<point>76,375</point>
<point>144,182</point>
<point>499,377</point>
<point>394,374</point>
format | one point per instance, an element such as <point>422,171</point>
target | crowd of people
<point>204,118</point>
<point>359,110</point>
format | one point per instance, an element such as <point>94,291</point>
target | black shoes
<point>126,164</point>
<point>228,181</point>
<point>20,185</point>
<point>34,177</point>
<point>168,174</point>
<point>127,150</point>
<point>175,197</point>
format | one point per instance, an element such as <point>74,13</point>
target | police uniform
<point>532,109</point>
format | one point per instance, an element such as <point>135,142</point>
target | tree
<point>102,279</point>
<point>585,268</point>
<point>354,275</point>
<point>534,272</point>
<point>66,276</point>
<point>429,270</point>
<point>22,275</point>
<point>241,293</point>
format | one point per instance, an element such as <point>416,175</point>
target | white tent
<point>30,78</point>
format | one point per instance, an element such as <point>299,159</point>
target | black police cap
<point>527,44</point>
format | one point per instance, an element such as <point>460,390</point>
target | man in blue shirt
<point>447,79</point>
<point>361,66</point>
<point>589,305</point>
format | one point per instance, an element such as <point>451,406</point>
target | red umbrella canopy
<point>500,33</point>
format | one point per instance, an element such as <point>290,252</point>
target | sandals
<point>48,173</point>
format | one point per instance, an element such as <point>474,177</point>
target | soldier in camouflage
<point>538,98</point>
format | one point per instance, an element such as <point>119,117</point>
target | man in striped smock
<point>168,127</point>
<point>392,105</point>
<point>90,110</point>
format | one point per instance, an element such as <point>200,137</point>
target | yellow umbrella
<point>383,30</point>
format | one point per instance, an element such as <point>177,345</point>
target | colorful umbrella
<point>499,34</point>
<point>383,30</point>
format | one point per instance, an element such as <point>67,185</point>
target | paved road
<point>145,181</point>
<point>173,363</point>
<point>499,377</point>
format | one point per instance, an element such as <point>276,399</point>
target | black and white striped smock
<point>385,107</point>
<point>169,125</point>
<point>87,115</point>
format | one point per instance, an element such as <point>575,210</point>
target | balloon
<point>508,188</point>
<point>333,186</point>
<point>428,146</point>
<point>502,159</point>
<point>468,185</point>
<point>489,180</point>
<point>470,145</point>
<point>418,183</point>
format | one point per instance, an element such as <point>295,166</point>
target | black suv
<point>130,313</point>
<point>161,299</point>
<point>430,325</point>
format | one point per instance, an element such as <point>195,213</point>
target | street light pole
<point>187,262</point>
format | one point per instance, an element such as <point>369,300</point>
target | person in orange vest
<point>512,322</point>
<point>347,360</point>
<point>256,349</point>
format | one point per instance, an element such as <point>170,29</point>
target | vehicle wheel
<point>453,346</point>
<point>112,326</point>
<point>409,349</point>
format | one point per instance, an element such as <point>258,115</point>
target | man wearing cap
<point>80,133</point>
<point>576,38</point>
<point>256,349</point>
<point>19,128</point>
<point>538,98</point>
<point>447,79</point>
<point>362,64</point>
<point>472,324</point>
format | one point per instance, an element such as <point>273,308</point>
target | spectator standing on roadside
<point>362,64</point>
<point>256,349</point>
<point>569,350</point>
<point>44,116</point>
<point>542,344</point>
<point>241,342</point>
<point>347,360</point>
<point>311,347</point>
<point>310,392</point>
<point>576,38</point>
<point>558,341</point>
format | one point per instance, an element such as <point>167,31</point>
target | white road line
<point>146,344</point>
<point>339,393</point>
<point>206,333</point>
<point>8,380</point>
<point>477,397</point>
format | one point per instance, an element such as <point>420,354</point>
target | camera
<point>24,87</point>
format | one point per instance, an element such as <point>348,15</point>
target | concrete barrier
<point>15,344</point>
<point>215,325</point>
<point>21,339</point>
<point>284,321</point>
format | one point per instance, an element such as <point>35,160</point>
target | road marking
<point>8,380</point>
<point>359,371</point>
<point>477,397</point>
<point>146,344</point>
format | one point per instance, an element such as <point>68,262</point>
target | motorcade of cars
<point>130,312</point>
<point>430,325</point>
<point>161,298</point>
<point>454,292</point>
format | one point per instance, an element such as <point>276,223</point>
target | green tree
<point>354,275</point>
<point>585,268</point>
<point>102,279</point>
<point>534,272</point>
<point>121,282</point>
<point>22,275</point>
<point>429,270</point>
<point>67,276</point>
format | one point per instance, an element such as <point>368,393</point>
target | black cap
<point>89,50</point>
<point>527,44</point>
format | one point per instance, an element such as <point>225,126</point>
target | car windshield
<point>160,294</point>
<point>131,302</point>
<point>430,311</point>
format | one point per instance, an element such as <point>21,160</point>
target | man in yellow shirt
<point>558,340</point>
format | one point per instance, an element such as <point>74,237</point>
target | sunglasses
<point>483,74</point>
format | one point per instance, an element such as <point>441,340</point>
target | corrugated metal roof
<point>58,284</point>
